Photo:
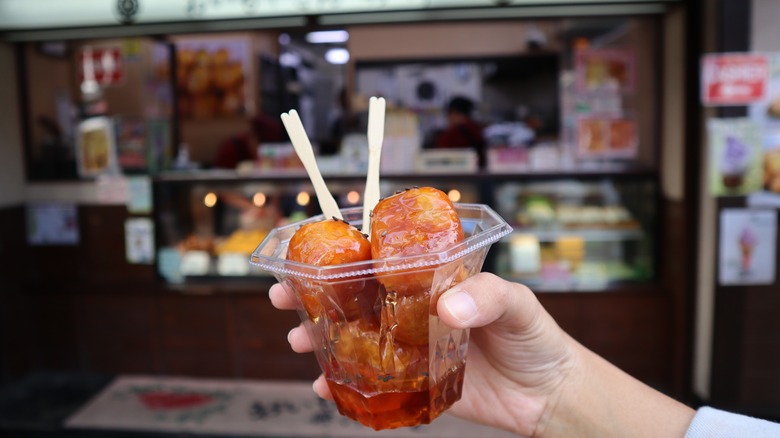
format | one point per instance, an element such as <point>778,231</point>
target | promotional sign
<point>747,246</point>
<point>101,65</point>
<point>733,79</point>
<point>96,145</point>
<point>605,70</point>
<point>736,156</point>
<point>607,137</point>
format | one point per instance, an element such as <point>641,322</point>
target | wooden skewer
<point>294,126</point>
<point>376,133</point>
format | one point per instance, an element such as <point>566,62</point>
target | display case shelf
<point>590,235</point>
<point>594,229</point>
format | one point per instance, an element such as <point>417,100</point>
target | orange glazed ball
<point>326,243</point>
<point>414,222</point>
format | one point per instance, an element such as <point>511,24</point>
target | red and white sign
<point>733,79</point>
<point>101,65</point>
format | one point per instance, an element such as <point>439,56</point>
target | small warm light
<point>258,199</point>
<point>210,199</point>
<point>353,197</point>
<point>303,199</point>
<point>454,195</point>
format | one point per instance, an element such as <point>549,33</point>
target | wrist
<point>597,399</point>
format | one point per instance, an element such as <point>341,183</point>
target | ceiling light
<point>337,56</point>
<point>327,36</point>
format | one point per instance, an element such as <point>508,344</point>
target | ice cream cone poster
<point>747,246</point>
<point>736,156</point>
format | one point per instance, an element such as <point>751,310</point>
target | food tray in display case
<point>575,235</point>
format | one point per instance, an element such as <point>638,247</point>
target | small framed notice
<point>52,224</point>
<point>139,240</point>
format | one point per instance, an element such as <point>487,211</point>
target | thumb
<point>486,299</point>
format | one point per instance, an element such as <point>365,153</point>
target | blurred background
<point>632,145</point>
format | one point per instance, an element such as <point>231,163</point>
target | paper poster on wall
<point>736,156</point>
<point>139,240</point>
<point>607,137</point>
<point>747,247</point>
<point>140,195</point>
<point>605,70</point>
<point>131,143</point>
<point>211,77</point>
<point>96,147</point>
<point>766,112</point>
<point>733,78</point>
<point>52,224</point>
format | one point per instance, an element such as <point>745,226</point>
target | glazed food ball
<point>413,222</point>
<point>411,319</point>
<point>362,352</point>
<point>327,243</point>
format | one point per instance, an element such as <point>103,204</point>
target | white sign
<point>139,240</point>
<point>747,246</point>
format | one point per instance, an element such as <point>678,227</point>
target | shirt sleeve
<point>713,423</point>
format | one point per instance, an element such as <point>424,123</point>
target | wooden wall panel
<point>260,333</point>
<point>118,333</point>
<point>193,335</point>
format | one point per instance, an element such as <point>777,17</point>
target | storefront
<point>589,153</point>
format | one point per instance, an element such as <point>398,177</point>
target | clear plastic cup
<point>388,360</point>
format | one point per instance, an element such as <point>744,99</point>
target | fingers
<point>299,340</point>
<point>280,298</point>
<point>485,299</point>
<point>298,337</point>
<point>320,386</point>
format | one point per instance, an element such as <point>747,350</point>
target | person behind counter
<point>244,146</point>
<point>462,131</point>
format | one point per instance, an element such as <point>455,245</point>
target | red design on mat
<point>161,400</point>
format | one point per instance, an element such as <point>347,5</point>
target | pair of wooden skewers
<point>376,132</point>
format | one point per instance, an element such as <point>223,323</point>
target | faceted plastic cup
<point>388,360</point>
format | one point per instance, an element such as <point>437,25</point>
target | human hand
<point>518,357</point>
<point>526,375</point>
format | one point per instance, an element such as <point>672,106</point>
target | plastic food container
<point>387,358</point>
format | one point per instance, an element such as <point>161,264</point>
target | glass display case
<point>584,232</point>
<point>578,234</point>
<point>209,222</point>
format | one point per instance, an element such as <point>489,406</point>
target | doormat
<point>238,408</point>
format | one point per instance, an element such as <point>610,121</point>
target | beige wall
<point>441,40</point>
<point>11,162</point>
<point>705,278</point>
<point>673,110</point>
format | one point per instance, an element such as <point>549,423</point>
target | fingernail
<point>289,334</point>
<point>461,306</point>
